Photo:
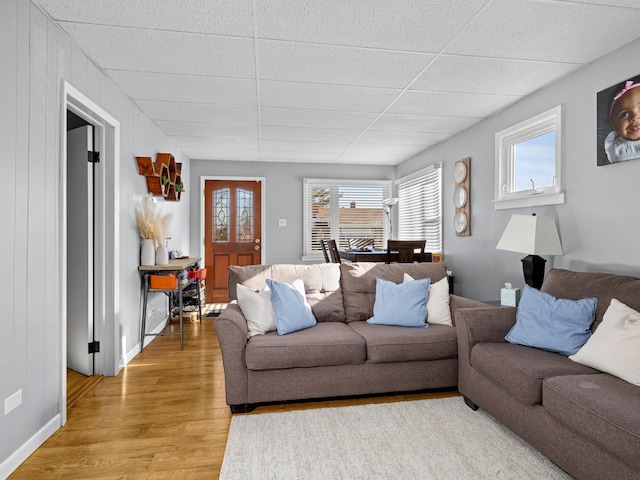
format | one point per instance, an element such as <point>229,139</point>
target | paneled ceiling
<point>344,81</point>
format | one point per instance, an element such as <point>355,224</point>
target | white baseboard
<point>136,348</point>
<point>21,454</point>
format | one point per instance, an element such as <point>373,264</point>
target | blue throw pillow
<point>550,323</point>
<point>290,307</point>
<point>404,305</point>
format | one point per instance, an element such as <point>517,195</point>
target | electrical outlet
<point>12,402</point>
<point>282,222</point>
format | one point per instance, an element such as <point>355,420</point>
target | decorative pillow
<point>290,307</point>
<point>438,309</point>
<point>257,309</point>
<point>615,345</point>
<point>555,324</point>
<point>404,305</point>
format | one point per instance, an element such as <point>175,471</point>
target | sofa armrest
<point>456,302</point>
<point>232,332</point>
<point>486,324</point>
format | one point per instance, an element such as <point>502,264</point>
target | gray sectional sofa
<point>342,355</point>
<point>585,421</point>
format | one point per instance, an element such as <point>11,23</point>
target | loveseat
<point>342,355</point>
<point>584,420</point>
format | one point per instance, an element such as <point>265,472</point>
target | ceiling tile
<point>325,97</point>
<point>378,148</point>
<point>299,146</point>
<point>219,143</point>
<point>491,75</point>
<point>410,25</point>
<point>120,48</point>
<point>423,123</point>
<point>450,104</point>
<point>322,157</point>
<point>197,129</point>
<point>370,159</point>
<point>552,31</point>
<point>199,112</point>
<point>304,62</point>
<point>315,118</point>
<point>186,88</point>
<point>402,138</point>
<point>222,17</point>
<point>331,135</point>
<point>220,154</point>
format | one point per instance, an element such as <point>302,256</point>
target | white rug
<point>425,439</point>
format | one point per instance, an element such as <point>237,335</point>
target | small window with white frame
<point>529,162</point>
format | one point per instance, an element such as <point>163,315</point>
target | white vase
<point>147,254</point>
<point>162,255</point>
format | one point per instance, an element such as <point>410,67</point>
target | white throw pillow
<point>257,309</point>
<point>615,345</point>
<point>438,309</point>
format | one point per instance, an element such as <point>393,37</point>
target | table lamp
<point>533,235</point>
<point>388,203</point>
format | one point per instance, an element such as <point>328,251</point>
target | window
<point>529,162</point>
<point>420,207</point>
<point>343,210</point>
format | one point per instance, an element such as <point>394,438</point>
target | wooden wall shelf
<point>164,177</point>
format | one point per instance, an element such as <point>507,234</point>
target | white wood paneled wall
<point>36,57</point>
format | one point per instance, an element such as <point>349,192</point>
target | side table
<point>176,266</point>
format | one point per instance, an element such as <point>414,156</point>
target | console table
<point>176,266</point>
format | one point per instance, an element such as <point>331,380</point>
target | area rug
<point>424,439</point>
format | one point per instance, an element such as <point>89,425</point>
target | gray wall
<point>36,56</point>
<point>283,198</point>
<point>598,224</point>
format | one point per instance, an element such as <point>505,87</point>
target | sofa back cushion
<point>321,283</point>
<point>605,286</point>
<point>359,283</point>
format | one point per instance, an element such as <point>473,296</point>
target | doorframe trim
<point>107,297</point>
<point>262,180</point>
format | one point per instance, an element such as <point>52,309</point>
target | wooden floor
<point>163,417</point>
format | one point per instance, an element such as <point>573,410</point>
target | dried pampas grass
<point>152,225</point>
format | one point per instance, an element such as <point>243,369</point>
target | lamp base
<point>533,268</point>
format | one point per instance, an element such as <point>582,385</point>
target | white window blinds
<point>420,207</point>
<point>344,210</point>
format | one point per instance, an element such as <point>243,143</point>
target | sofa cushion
<point>321,282</point>
<point>387,344</point>
<point>555,324</point>
<point>290,307</point>
<point>618,332</point>
<point>601,407</point>
<point>257,309</point>
<point>520,370</point>
<point>403,305</point>
<point>358,282</point>
<point>328,343</point>
<point>575,285</point>
<point>438,301</point>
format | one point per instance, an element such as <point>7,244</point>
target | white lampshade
<point>389,202</point>
<point>531,235</point>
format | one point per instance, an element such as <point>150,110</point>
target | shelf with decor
<point>164,176</point>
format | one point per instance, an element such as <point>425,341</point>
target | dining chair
<point>406,250</point>
<point>325,250</point>
<point>332,246</point>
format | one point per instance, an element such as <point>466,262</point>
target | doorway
<point>98,244</point>
<point>232,231</point>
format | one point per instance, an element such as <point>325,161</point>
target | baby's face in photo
<point>625,117</point>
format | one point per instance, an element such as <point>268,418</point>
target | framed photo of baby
<point>619,122</point>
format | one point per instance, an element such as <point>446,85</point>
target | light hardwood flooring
<point>163,417</point>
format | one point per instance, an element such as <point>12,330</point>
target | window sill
<point>529,201</point>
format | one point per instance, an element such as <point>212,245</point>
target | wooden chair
<point>406,250</point>
<point>325,250</point>
<point>333,251</point>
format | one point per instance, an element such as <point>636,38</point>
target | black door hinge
<point>94,347</point>
<point>94,157</point>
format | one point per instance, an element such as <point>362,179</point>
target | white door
<point>80,250</point>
